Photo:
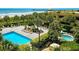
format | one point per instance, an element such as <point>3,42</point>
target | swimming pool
<point>67,37</point>
<point>16,38</point>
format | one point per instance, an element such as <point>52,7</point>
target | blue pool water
<point>67,38</point>
<point>16,38</point>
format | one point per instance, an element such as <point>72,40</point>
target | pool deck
<point>20,30</point>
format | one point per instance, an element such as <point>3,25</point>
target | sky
<point>39,3</point>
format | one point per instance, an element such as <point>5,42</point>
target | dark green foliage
<point>1,38</point>
<point>56,49</point>
<point>53,21</point>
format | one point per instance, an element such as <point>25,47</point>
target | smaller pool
<point>67,37</point>
<point>16,38</point>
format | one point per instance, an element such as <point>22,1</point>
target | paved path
<point>20,30</point>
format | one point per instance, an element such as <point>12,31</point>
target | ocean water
<point>22,10</point>
<point>19,10</point>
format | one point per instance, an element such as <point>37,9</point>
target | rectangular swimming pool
<point>16,38</point>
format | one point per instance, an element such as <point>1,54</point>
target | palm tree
<point>5,45</point>
<point>1,38</point>
<point>16,19</point>
<point>1,41</point>
<point>23,18</point>
<point>75,30</point>
<point>54,26</point>
<point>37,22</point>
<point>54,29</point>
<point>8,46</point>
<point>6,19</point>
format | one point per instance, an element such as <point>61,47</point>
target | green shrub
<point>24,48</point>
<point>56,49</point>
<point>69,46</point>
<point>34,48</point>
<point>39,44</point>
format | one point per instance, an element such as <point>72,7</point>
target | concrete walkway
<point>20,30</point>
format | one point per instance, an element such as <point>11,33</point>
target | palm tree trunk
<point>38,33</point>
<point>39,36</point>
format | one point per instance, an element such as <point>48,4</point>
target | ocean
<point>24,11</point>
<point>19,11</point>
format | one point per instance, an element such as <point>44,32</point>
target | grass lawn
<point>42,37</point>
